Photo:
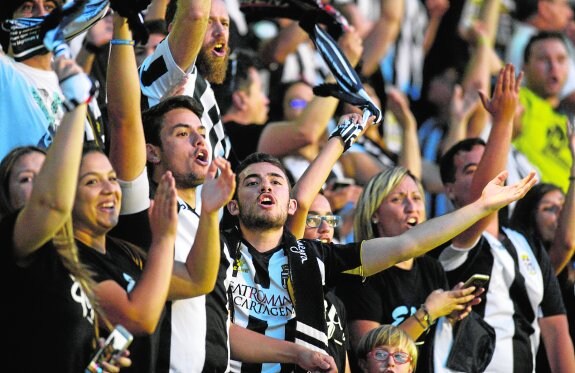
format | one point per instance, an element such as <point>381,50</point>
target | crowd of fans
<point>189,185</point>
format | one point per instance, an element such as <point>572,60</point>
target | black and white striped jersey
<point>260,297</point>
<point>513,315</point>
<point>159,72</point>
<point>193,331</point>
<point>402,66</point>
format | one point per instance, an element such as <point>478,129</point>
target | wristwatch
<point>426,317</point>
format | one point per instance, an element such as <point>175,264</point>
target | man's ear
<point>449,190</point>
<point>239,100</point>
<point>292,206</point>
<point>153,153</point>
<point>233,207</point>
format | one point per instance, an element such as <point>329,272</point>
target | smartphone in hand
<point>478,280</point>
<point>115,345</point>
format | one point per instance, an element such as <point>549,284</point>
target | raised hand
<point>221,188</point>
<point>495,195</point>
<point>505,96</point>
<point>398,104</point>
<point>163,211</point>
<point>76,86</point>
<point>349,128</point>
<point>462,105</point>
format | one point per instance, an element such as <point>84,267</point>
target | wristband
<point>122,42</point>
<point>571,178</point>
<point>77,89</point>
<point>348,131</point>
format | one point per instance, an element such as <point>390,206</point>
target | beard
<point>212,68</point>
<point>187,181</point>
<point>252,220</point>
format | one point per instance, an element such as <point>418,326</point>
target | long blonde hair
<point>63,240</point>
<point>378,187</point>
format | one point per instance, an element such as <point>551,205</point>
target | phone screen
<point>476,280</point>
<point>118,341</point>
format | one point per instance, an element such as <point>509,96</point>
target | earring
<point>374,220</point>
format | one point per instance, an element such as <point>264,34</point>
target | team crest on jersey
<point>285,275</point>
<point>528,263</point>
<point>240,265</point>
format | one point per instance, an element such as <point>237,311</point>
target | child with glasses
<point>387,348</point>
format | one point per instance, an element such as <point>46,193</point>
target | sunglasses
<point>399,357</point>
<point>314,221</point>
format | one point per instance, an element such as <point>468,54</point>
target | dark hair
<point>524,215</point>
<point>156,26</point>
<point>446,166</point>
<point>237,76</point>
<point>524,9</point>
<point>6,167</point>
<point>10,6</point>
<point>542,35</point>
<point>153,118</point>
<point>7,12</point>
<point>258,158</point>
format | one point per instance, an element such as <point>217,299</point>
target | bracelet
<point>122,42</point>
<point>419,321</point>
<point>427,317</point>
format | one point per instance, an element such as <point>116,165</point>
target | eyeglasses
<point>297,103</point>
<point>399,357</point>
<point>314,221</point>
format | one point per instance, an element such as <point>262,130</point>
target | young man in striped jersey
<point>193,336</point>
<point>276,282</point>
<point>522,298</point>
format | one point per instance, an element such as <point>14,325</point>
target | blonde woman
<point>49,295</point>
<point>411,293</point>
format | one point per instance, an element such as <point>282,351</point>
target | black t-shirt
<point>123,264</point>
<point>393,295</point>
<point>48,318</point>
<point>243,139</point>
<point>337,332</point>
